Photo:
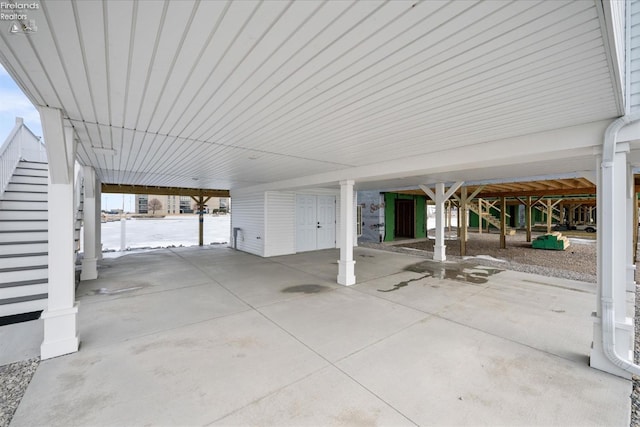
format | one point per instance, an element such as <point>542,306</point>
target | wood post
<point>503,223</point>
<point>462,221</point>
<point>549,215</point>
<point>200,200</point>
<point>480,218</point>
<point>528,218</point>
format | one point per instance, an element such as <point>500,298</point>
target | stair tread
<point>24,231</point>
<point>23,201</point>
<point>22,220</point>
<point>24,298</point>
<point>5,256</point>
<point>34,161</point>
<point>28,183</point>
<point>26,268</point>
<point>24,283</point>
<point>25,242</point>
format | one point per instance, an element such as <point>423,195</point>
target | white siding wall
<point>280,223</point>
<point>635,56</point>
<point>247,213</point>
<point>268,220</point>
<point>618,12</point>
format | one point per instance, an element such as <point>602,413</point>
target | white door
<point>306,213</point>
<point>326,222</point>
<point>315,222</point>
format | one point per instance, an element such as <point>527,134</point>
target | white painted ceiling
<point>216,94</point>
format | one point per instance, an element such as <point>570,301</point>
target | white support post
<point>439,248</point>
<point>123,233</point>
<point>346,264</point>
<point>440,197</point>
<point>98,212</point>
<point>612,263</point>
<point>60,335</point>
<point>631,222</point>
<point>89,259</point>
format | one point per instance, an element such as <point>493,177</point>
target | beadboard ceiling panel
<point>229,94</point>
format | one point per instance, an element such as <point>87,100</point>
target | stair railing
<point>78,193</point>
<point>21,144</point>
<point>9,157</point>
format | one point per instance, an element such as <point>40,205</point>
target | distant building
<point>175,205</point>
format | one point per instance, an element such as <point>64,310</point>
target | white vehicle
<point>589,228</point>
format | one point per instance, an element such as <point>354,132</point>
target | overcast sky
<point>13,103</point>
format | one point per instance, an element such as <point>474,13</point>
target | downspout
<point>607,206</point>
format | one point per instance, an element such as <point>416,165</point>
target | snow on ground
<point>164,232</point>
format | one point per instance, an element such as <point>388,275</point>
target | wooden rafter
<point>163,191</point>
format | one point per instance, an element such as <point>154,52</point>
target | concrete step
<point>22,214</point>
<point>25,236</point>
<point>28,179</point>
<point>23,260</point>
<point>26,205</point>
<point>28,170</point>
<point>24,247</point>
<point>24,273</point>
<point>20,195</point>
<point>23,225</point>
<point>21,291</point>
<point>33,165</point>
<point>36,304</point>
<point>28,188</point>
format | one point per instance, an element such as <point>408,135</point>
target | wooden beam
<point>503,223</point>
<point>162,191</point>
<point>528,217</point>
<point>480,219</point>
<point>429,192</point>
<point>586,191</point>
<point>462,221</point>
<point>453,189</point>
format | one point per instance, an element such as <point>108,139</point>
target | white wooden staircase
<point>23,240</point>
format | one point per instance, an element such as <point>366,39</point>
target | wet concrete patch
<point>105,291</point>
<point>306,289</point>
<point>458,271</point>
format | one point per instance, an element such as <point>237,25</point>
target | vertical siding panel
<point>247,213</point>
<point>618,12</point>
<point>280,227</point>
<point>634,51</point>
<point>268,220</point>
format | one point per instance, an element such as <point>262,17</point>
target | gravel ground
<point>14,379</point>
<point>578,262</point>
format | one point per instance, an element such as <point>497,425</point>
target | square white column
<point>98,213</point>
<point>346,264</point>
<point>89,259</point>
<point>612,260</point>
<point>60,335</point>
<point>439,248</point>
<point>632,222</point>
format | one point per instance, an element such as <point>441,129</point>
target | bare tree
<point>154,205</point>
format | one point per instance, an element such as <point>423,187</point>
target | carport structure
<point>291,106</point>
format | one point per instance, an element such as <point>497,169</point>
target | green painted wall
<point>390,215</point>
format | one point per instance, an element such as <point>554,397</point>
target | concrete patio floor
<point>211,336</point>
